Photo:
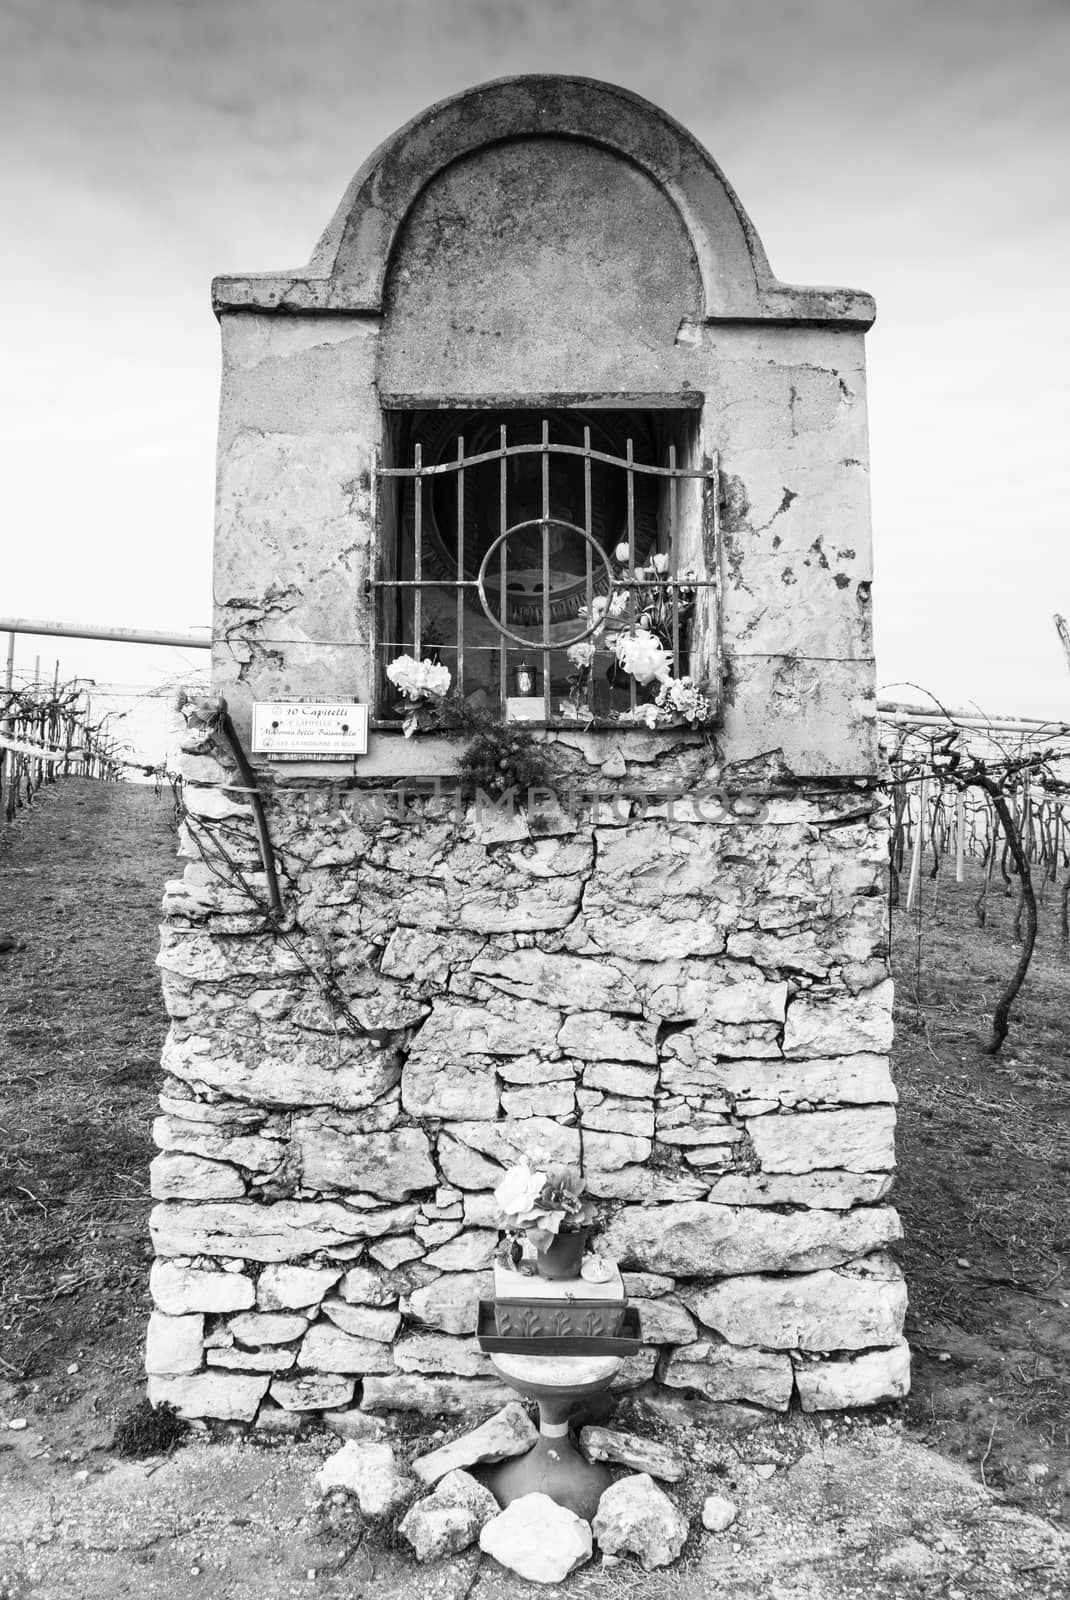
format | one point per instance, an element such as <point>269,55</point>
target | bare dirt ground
<point>852,1506</point>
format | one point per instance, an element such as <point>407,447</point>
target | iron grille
<point>503,617</point>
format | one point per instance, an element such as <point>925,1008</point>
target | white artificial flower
<point>418,678</point>
<point>660,563</point>
<point>685,698</point>
<point>519,1191</point>
<point>644,657</point>
<point>581,654</point>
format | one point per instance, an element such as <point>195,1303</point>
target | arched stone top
<point>350,264</point>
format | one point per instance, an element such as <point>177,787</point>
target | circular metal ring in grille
<point>545,523</point>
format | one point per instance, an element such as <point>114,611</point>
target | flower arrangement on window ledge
<point>547,1206</point>
<point>641,649</point>
<point>424,686</point>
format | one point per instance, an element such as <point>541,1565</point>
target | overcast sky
<point>919,149</point>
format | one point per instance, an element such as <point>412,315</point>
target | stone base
<point>694,1005</point>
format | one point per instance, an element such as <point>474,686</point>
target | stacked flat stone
<point>693,1007</point>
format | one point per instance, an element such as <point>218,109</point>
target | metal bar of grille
<point>588,523</point>
<point>503,654</point>
<point>418,556</point>
<point>631,566</point>
<point>460,567</point>
<point>546,569</point>
<point>674,588</point>
<point>536,449</point>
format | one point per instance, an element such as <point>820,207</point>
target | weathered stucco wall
<point>785,413</point>
<point>694,1008</point>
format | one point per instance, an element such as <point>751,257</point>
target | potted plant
<point>548,1206</point>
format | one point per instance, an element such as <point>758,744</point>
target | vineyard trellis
<point>993,790</point>
<point>46,732</point>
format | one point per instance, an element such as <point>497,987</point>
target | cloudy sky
<point>919,149</point>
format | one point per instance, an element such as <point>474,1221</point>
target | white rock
<point>327,1349</point>
<point>267,1327</point>
<point>537,1539</point>
<point>842,1025</point>
<point>369,1286</point>
<point>646,1285</point>
<point>391,1253</point>
<point>281,1287</point>
<point>631,1450</point>
<point>690,1064</point>
<point>844,1308</point>
<point>821,1191</point>
<point>314,1391</point>
<point>218,1142</point>
<point>366,1469</point>
<point>450,1519</point>
<point>749,1000</point>
<point>863,1079</point>
<point>621,1077</point>
<point>434,1397</point>
<point>438,1353</point>
<point>609,1152</point>
<point>274,1360</point>
<point>174,1344</point>
<point>636,1370</point>
<point>468,1252</point>
<point>635,1517</point>
<point>613,1115</point>
<point>696,1239</point>
<point>509,1432</point>
<point>718,1513</point>
<point>664,1321</point>
<point>214,804</point>
<point>600,1036</point>
<point>178,1290</point>
<point>568,983</point>
<point>730,1372</point>
<point>646,1184</point>
<point>426,956</point>
<point>864,1380</point>
<point>530,1071</point>
<point>451,1303</point>
<point>552,1099</point>
<point>225,1396</point>
<point>511,1028</point>
<point>861,1140</point>
<point>275,1232</point>
<point>391,1164</point>
<point>347,1071</point>
<point>363,1322</point>
<point>174,1176</point>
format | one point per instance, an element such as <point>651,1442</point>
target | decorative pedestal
<point>557,1342</point>
<point>553,1466</point>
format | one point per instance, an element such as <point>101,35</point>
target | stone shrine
<point>537,417</point>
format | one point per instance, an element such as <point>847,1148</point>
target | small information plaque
<point>309,730</point>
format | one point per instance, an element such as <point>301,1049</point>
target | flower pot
<point>562,1258</point>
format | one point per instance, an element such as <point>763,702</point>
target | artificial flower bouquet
<point>424,686</point>
<point>637,633</point>
<point>543,1202</point>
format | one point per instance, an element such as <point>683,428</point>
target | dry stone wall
<point>692,1004</point>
